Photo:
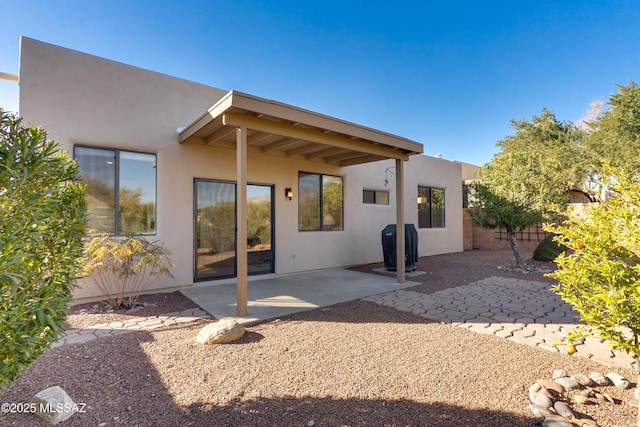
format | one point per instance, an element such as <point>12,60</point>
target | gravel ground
<point>352,364</point>
<point>88,314</point>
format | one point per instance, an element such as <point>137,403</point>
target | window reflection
<point>431,213</point>
<point>320,202</point>
<point>120,190</point>
<point>137,198</point>
<point>98,174</point>
<point>331,202</point>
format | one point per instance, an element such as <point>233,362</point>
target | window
<point>319,202</point>
<point>375,197</point>
<point>120,189</point>
<point>430,207</point>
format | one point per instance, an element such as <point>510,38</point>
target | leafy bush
<point>123,268</point>
<point>548,249</point>
<point>601,277</point>
<point>41,229</point>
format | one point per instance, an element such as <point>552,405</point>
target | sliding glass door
<point>215,229</point>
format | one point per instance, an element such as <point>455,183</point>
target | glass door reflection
<point>215,252</point>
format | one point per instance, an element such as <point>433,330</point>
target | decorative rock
<point>587,392</point>
<point>53,405</point>
<point>564,410</point>
<point>598,378</point>
<point>537,388</point>
<point>581,399</point>
<point>601,397</point>
<point>551,385</point>
<point>540,399</point>
<point>540,411</point>
<point>222,331</point>
<point>585,422</point>
<point>617,380</point>
<point>556,421</point>
<point>559,373</point>
<point>568,383</point>
<point>583,380</point>
<point>633,403</point>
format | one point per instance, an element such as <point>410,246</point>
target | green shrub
<point>124,267</point>
<point>600,278</point>
<point>548,249</point>
<point>41,229</point>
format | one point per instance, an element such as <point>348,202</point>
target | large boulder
<point>53,405</point>
<point>222,331</point>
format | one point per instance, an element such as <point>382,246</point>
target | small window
<point>375,197</point>
<point>320,200</point>
<point>120,189</point>
<point>430,207</point>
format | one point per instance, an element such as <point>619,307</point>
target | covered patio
<point>274,297</point>
<point>247,123</point>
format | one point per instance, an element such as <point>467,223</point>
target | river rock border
<point>553,400</point>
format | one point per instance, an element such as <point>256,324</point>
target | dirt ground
<point>352,364</point>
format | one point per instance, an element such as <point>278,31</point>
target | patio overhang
<point>281,129</point>
<point>248,123</point>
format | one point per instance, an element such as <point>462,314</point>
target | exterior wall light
<point>288,193</point>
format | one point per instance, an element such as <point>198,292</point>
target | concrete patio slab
<point>279,296</point>
<point>413,273</point>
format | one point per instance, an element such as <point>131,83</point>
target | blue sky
<point>450,75</point>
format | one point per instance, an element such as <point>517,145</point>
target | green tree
<point>600,277</point>
<point>41,229</point>
<point>614,135</point>
<point>527,181</point>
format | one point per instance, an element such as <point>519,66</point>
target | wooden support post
<point>241,226</point>
<point>400,244</point>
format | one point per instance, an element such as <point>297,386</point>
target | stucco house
<point>181,162</point>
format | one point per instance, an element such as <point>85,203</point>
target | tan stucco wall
<point>83,99</point>
<point>468,171</point>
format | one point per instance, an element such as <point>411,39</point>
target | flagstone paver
<point>77,336</point>
<point>523,311</point>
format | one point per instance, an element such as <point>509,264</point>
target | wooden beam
<point>257,137</point>
<point>344,156</point>
<point>324,153</point>
<point>279,144</point>
<point>360,159</point>
<point>223,144</point>
<point>219,134</point>
<point>196,140</point>
<point>10,77</point>
<point>241,226</point>
<point>304,149</point>
<point>255,123</point>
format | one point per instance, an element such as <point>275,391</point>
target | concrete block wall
<point>476,237</point>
